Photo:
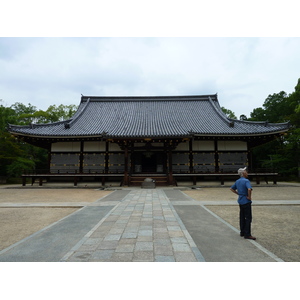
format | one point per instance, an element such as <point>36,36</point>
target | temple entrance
<point>148,162</point>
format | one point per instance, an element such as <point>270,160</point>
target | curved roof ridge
<point>33,125</point>
<point>147,98</point>
<point>266,123</point>
<point>220,112</point>
<point>79,113</point>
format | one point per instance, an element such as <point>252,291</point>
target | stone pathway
<point>142,227</point>
<point>139,225</point>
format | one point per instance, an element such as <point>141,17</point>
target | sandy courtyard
<point>17,223</point>
<point>275,226</point>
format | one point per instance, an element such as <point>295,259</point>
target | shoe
<point>242,234</point>
<point>250,237</point>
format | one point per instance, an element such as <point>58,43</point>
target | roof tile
<point>126,117</point>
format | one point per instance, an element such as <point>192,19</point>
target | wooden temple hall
<point>127,139</point>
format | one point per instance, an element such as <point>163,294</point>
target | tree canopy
<point>15,155</point>
<point>229,113</point>
<point>282,154</point>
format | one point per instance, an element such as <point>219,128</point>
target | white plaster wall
<point>94,146</point>
<point>232,146</point>
<point>183,146</point>
<point>203,146</point>
<point>114,147</point>
<point>65,147</point>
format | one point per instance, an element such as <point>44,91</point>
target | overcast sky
<point>243,71</point>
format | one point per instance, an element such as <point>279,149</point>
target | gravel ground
<point>275,226</point>
<point>271,192</point>
<point>37,195</point>
<point>16,223</point>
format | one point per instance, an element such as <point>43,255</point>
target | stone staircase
<point>137,180</point>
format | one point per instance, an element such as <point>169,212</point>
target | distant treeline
<point>15,155</point>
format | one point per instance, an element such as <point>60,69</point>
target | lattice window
<point>204,162</point>
<point>180,162</point>
<point>64,162</point>
<point>93,162</point>
<point>232,161</point>
<point>116,163</point>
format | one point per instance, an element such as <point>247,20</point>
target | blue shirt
<point>242,185</point>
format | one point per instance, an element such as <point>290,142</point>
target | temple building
<point>130,138</point>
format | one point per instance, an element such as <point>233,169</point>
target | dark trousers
<point>245,219</point>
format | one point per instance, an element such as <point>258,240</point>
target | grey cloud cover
<point>243,71</point>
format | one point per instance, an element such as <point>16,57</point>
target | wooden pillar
<point>170,169</point>
<point>191,158</point>
<point>217,169</point>
<point>81,157</point>
<point>49,161</point>
<point>191,161</point>
<point>126,181</point>
<point>222,180</point>
<point>131,155</point>
<point>106,158</point>
<point>249,158</point>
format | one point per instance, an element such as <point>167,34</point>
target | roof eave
<point>242,134</point>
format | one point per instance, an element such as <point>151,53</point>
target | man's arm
<point>249,194</point>
<point>234,191</point>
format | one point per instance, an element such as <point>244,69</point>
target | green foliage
<point>229,114</point>
<point>7,115</point>
<point>243,118</point>
<point>17,156</point>
<point>283,154</point>
<point>26,115</point>
<point>258,114</point>
<point>9,151</point>
<point>20,164</point>
<point>61,112</point>
<point>277,108</point>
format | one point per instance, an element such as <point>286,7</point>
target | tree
<point>24,113</point>
<point>30,114</point>
<point>7,115</point>
<point>229,114</point>
<point>294,102</point>
<point>243,118</point>
<point>61,112</point>
<point>284,153</point>
<point>258,114</point>
<point>15,155</point>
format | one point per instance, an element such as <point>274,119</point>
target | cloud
<point>243,71</point>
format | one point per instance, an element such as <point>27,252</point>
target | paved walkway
<point>153,225</point>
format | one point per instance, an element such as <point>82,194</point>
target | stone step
<point>138,180</point>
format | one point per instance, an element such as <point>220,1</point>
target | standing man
<point>243,189</point>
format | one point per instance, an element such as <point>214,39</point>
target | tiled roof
<point>135,117</point>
